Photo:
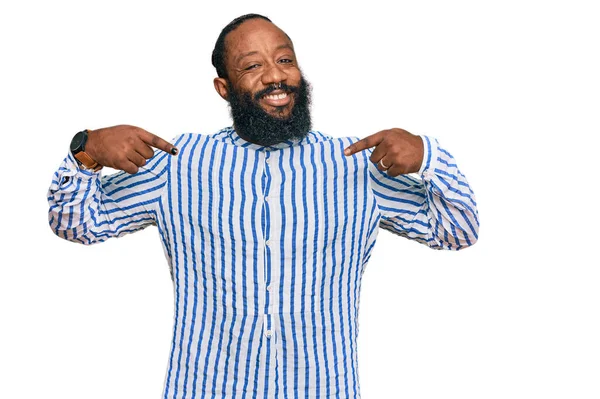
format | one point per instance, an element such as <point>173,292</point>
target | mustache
<point>272,88</point>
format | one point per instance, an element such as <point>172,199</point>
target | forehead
<point>254,35</point>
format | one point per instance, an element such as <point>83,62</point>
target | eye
<point>286,60</point>
<point>251,67</point>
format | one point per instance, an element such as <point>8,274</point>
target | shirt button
<point>269,333</point>
<point>269,287</point>
<point>268,242</point>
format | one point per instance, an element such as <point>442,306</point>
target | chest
<point>306,195</point>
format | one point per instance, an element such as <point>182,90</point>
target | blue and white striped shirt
<point>267,247</point>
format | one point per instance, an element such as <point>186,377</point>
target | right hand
<point>124,147</point>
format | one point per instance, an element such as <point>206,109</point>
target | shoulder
<point>188,139</point>
<point>222,135</point>
<point>315,136</point>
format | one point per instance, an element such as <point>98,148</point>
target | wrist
<point>90,145</point>
<point>79,147</point>
<point>419,154</point>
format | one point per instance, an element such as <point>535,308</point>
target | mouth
<point>277,98</point>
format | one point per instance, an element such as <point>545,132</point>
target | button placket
<point>268,267</point>
<point>268,326</point>
<point>272,246</point>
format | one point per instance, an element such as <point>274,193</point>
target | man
<point>267,226</point>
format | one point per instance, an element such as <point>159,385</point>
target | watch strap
<point>87,162</point>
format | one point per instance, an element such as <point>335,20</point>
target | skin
<point>258,55</point>
<point>400,151</point>
<point>124,147</point>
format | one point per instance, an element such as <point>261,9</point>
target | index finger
<point>363,144</point>
<point>157,142</point>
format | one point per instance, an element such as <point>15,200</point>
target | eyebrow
<point>243,55</point>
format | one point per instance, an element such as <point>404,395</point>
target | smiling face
<point>259,55</point>
<point>266,91</point>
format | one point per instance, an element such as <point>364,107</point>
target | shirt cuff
<point>70,169</point>
<point>429,153</point>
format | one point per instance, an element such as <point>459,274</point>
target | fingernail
<point>174,151</point>
<point>347,151</point>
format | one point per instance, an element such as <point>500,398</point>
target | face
<point>264,84</point>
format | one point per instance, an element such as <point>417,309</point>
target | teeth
<point>276,96</point>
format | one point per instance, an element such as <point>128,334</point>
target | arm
<point>88,208</point>
<point>438,209</point>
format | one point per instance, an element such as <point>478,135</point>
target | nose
<point>274,74</point>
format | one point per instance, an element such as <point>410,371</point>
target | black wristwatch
<point>78,151</point>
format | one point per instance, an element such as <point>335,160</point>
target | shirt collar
<point>232,137</point>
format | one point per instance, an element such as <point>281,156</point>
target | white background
<point>511,89</point>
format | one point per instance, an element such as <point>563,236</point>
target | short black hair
<point>218,55</point>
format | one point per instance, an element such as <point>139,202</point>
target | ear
<point>221,87</point>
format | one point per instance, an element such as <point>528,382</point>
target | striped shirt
<point>267,247</point>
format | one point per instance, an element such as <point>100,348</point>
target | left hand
<point>396,151</point>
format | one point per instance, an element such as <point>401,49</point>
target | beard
<point>255,124</point>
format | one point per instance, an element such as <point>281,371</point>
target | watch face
<point>78,142</point>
